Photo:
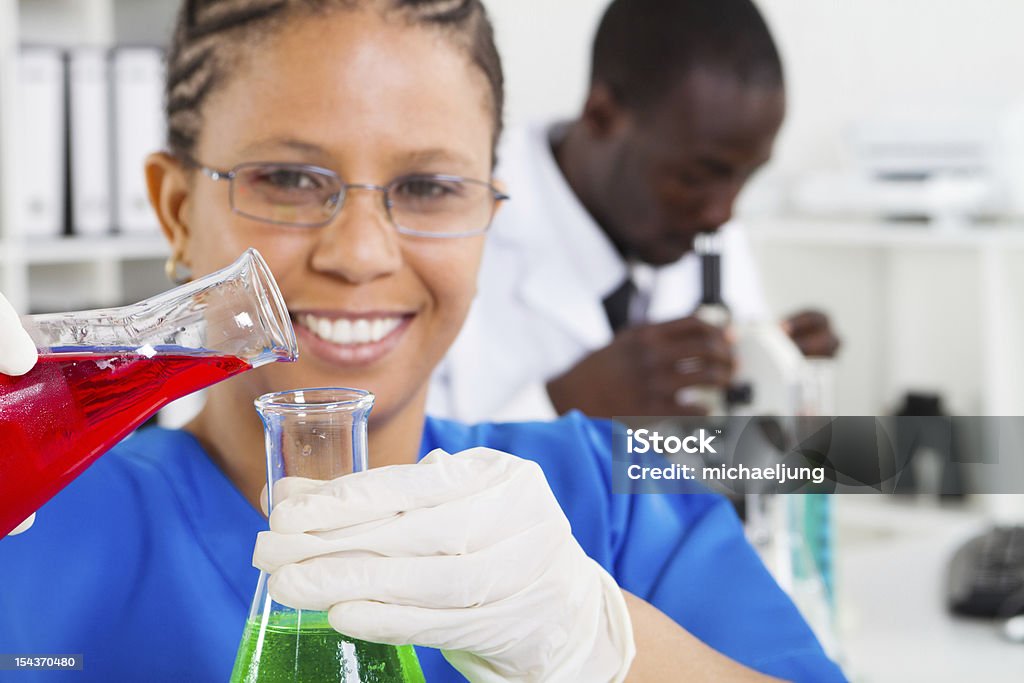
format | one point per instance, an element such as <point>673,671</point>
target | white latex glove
<point>469,553</point>
<point>24,525</point>
<point>17,356</point>
<point>17,351</point>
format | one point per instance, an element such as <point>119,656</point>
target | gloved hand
<point>469,553</point>
<point>17,356</point>
<point>17,351</point>
<point>24,526</point>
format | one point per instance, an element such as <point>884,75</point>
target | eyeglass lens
<point>303,195</point>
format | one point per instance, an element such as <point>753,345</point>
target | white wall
<point>849,59</point>
<point>545,48</point>
<point>845,60</point>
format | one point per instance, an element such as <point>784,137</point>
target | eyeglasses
<point>427,205</point>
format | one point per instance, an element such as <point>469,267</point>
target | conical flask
<point>317,434</point>
<point>102,373</point>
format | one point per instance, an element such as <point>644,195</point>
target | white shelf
<point>84,249</point>
<point>919,307</point>
<point>67,22</point>
<point>866,233</point>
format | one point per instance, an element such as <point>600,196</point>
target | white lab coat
<point>546,269</point>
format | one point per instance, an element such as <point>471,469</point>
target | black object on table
<point>986,574</point>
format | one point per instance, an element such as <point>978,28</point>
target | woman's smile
<point>349,337</point>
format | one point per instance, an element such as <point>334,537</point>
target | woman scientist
<point>329,134</point>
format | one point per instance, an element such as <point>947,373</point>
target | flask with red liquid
<point>102,373</point>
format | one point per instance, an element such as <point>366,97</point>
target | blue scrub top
<point>143,564</point>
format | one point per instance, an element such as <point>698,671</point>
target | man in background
<point>589,278</point>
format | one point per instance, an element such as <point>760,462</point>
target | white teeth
<point>342,329</point>
<point>323,328</point>
<point>361,331</point>
<point>347,331</point>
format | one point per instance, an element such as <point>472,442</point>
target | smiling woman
<point>389,113</point>
<point>352,144</point>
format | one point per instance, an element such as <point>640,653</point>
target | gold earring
<point>176,272</point>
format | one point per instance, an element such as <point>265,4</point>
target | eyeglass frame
<point>229,175</point>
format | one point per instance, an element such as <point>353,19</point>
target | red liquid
<point>73,407</point>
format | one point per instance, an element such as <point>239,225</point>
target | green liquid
<point>313,652</point>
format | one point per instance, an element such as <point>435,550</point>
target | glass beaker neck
<point>237,311</point>
<point>314,433</point>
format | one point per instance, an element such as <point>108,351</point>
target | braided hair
<point>208,34</point>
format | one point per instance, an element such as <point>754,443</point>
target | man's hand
<point>24,526</point>
<point>812,332</point>
<point>643,369</point>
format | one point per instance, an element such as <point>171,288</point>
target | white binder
<point>91,150</point>
<point>40,135</point>
<point>138,130</point>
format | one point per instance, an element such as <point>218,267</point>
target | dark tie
<point>616,304</point>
